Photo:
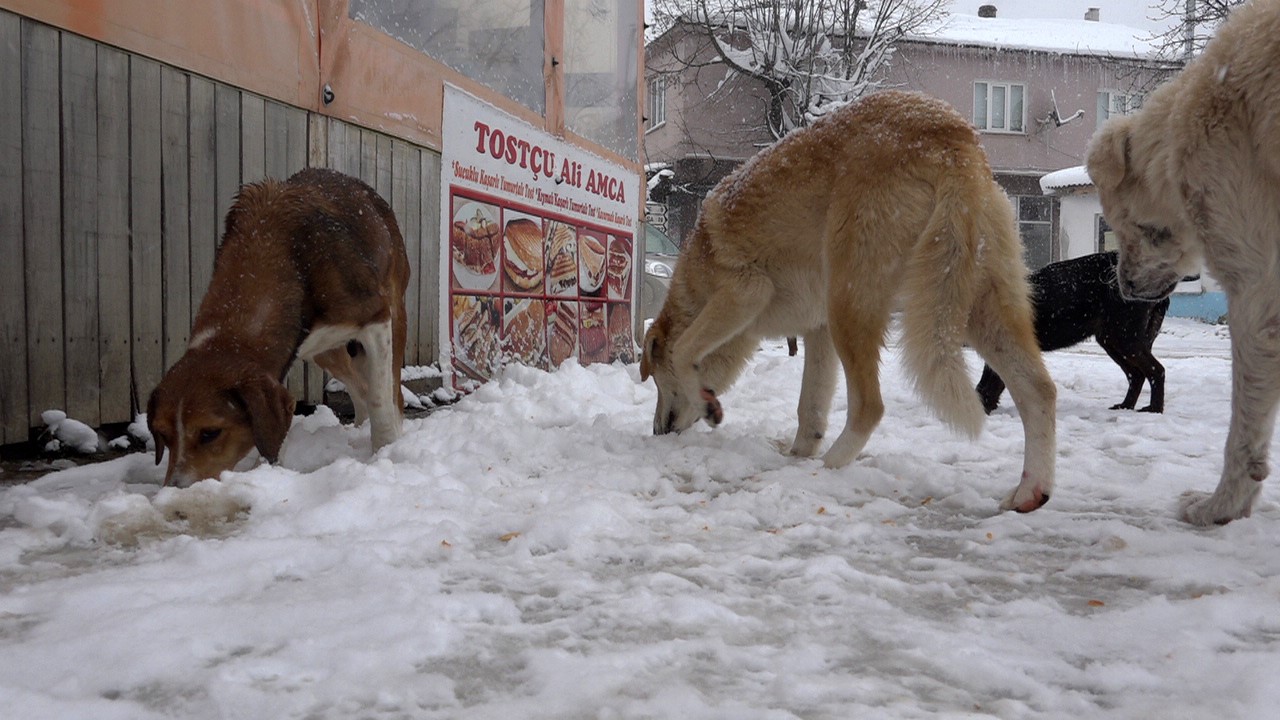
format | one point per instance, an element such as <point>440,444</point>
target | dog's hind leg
<point>1139,365</point>
<point>857,334</point>
<point>1126,359</point>
<point>338,363</point>
<point>817,385</point>
<point>1003,335</point>
<point>375,365</point>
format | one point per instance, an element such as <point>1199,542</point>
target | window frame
<point>989,87</point>
<point>1130,106</point>
<point>656,103</point>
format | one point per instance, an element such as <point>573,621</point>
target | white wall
<point>1078,224</point>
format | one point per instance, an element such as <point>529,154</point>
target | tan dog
<point>1195,177</point>
<point>886,203</point>
<point>313,267</point>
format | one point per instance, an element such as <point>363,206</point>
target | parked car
<point>660,255</point>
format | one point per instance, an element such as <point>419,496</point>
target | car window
<point>656,241</point>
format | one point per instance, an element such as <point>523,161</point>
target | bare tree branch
<point>810,56</point>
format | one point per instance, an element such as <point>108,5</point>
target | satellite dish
<point>1055,116</point>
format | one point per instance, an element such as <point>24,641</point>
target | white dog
<point>1194,178</point>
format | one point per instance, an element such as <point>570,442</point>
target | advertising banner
<point>538,260</point>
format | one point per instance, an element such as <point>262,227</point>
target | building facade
<point>1036,91</point>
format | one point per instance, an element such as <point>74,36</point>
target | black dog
<point>1078,298</point>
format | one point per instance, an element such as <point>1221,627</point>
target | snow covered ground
<point>534,552</point>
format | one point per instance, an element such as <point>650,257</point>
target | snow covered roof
<point>1077,37</point>
<point>1071,177</point>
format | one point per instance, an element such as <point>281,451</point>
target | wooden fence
<point>116,172</point>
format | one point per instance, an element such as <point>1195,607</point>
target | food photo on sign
<point>593,334</point>
<point>473,243</point>
<point>562,258</point>
<point>562,330</point>
<point>591,261</point>
<point>618,268</point>
<point>475,337</point>
<point>524,332</point>
<point>523,260</point>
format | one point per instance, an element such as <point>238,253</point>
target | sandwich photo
<point>562,259</point>
<point>618,268</point>
<point>562,330</point>
<point>524,332</point>
<point>593,334</point>
<point>622,345</point>
<point>590,262</point>
<point>523,261</point>
<point>475,337</point>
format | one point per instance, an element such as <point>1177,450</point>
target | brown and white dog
<point>312,267</point>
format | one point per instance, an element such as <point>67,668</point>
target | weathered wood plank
<point>382,176</point>
<point>79,130</point>
<point>42,220</point>
<point>368,156</point>
<point>337,146</point>
<point>297,143</point>
<point>276,140</point>
<point>297,150</point>
<point>227,110</point>
<point>276,164</point>
<point>406,167</point>
<point>317,140</point>
<point>113,235</point>
<point>253,153</point>
<point>317,127</point>
<point>14,414</point>
<point>146,203</point>
<point>430,287</point>
<point>176,253</point>
<point>202,149</point>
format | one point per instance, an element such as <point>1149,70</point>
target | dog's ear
<point>646,364</point>
<point>1108,157</point>
<point>270,408</point>
<point>157,439</point>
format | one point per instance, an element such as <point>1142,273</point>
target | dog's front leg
<point>712,350</point>
<point>817,386</point>
<point>1255,390</point>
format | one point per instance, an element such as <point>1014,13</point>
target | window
<point>998,107</point>
<point>657,114</point>
<point>1112,103</point>
<point>1107,239</point>
<point>602,71</point>
<point>1035,227</point>
<point>497,42</point>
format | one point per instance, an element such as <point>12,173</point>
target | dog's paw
<point>1205,509</point>
<point>715,413</point>
<point>805,445</point>
<point>1025,499</point>
<point>1152,409</point>
<point>1121,406</point>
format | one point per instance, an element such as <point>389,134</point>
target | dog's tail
<point>940,283</point>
